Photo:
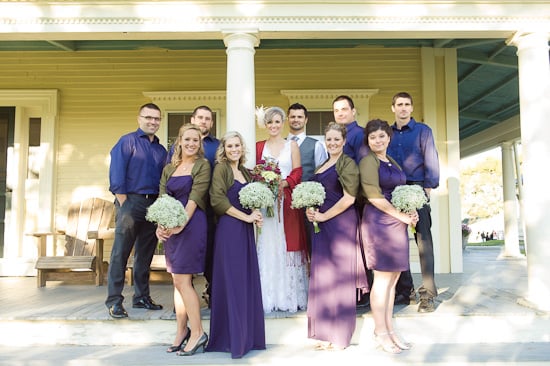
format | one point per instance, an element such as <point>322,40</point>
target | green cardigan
<point>348,174</point>
<point>370,180</point>
<point>222,180</point>
<point>201,180</point>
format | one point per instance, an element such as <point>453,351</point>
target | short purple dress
<point>385,238</point>
<point>331,298</point>
<point>237,314</point>
<point>185,252</point>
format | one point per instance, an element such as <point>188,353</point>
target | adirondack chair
<point>87,228</point>
<point>158,270</point>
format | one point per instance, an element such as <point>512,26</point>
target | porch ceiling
<point>487,68</point>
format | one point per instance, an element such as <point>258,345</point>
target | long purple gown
<point>185,252</point>
<point>331,300</point>
<point>385,237</point>
<point>237,315</point>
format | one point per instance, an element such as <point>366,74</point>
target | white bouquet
<point>408,198</point>
<point>256,195</point>
<point>309,195</point>
<point>167,212</point>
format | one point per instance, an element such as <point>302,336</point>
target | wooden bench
<point>158,269</point>
<point>87,227</point>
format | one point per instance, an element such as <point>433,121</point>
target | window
<point>33,170</point>
<point>177,119</point>
<point>317,121</point>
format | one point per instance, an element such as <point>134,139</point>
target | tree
<point>481,189</point>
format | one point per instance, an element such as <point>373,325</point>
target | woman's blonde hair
<point>221,153</point>
<point>265,115</point>
<point>178,154</point>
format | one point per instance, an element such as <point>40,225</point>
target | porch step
<point>280,330</point>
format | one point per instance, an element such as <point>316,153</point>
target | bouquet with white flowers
<point>309,195</point>
<point>256,195</point>
<point>408,198</point>
<point>167,212</point>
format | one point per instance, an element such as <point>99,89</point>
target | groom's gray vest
<point>307,156</point>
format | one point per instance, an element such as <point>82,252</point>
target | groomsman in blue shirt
<point>413,148</point>
<point>137,161</point>
<point>203,118</point>
<point>344,112</point>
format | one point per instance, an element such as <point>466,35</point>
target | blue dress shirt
<point>136,164</point>
<point>413,148</point>
<point>210,145</point>
<point>354,140</point>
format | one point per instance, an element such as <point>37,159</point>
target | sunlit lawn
<point>495,243</point>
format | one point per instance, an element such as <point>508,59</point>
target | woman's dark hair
<point>375,125</point>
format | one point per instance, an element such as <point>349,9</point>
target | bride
<point>281,246</point>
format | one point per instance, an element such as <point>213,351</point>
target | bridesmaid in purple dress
<point>384,231</point>
<point>186,178</point>
<point>237,315</point>
<point>331,298</point>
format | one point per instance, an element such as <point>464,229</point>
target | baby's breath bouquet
<point>408,198</point>
<point>256,195</point>
<point>167,212</point>
<point>309,195</point>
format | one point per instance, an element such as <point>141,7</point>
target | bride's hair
<point>265,115</point>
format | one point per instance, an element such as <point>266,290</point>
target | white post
<point>241,89</point>
<point>519,177</point>
<point>534,88</point>
<point>511,241</point>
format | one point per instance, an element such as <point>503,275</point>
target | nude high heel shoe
<point>385,342</point>
<point>399,342</point>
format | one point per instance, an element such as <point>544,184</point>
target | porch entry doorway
<point>10,169</point>
<point>7,121</point>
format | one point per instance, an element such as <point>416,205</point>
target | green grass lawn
<point>495,243</point>
<point>489,243</point>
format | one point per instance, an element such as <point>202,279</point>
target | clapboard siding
<point>100,92</point>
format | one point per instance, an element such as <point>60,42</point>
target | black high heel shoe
<point>200,343</point>
<point>173,349</point>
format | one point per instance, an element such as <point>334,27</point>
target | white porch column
<point>511,241</point>
<point>534,81</point>
<point>519,172</point>
<point>241,101</point>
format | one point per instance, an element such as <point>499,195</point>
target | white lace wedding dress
<point>283,274</point>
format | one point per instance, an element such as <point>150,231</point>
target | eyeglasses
<point>151,118</point>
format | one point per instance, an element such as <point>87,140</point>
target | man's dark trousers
<point>423,237</point>
<point>132,231</point>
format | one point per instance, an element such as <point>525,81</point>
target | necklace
<point>185,166</point>
<point>384,159</point>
